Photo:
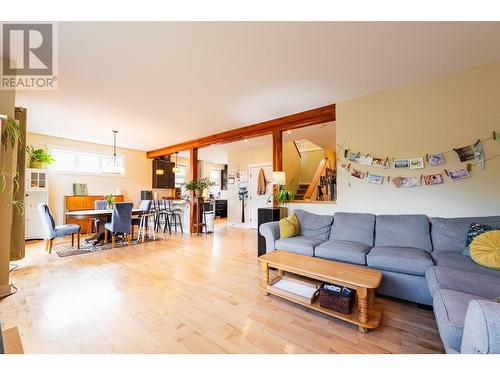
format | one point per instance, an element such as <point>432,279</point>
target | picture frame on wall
<point>417,163</point>
<point>375,179</point>
<point>401,163</point>
<point>79,189</point>
<point>436,159</point>
<point>459,174</point>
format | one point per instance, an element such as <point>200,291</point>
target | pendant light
<point>114,166</point>
<point>176,169</point>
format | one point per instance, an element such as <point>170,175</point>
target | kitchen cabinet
<point>163,174</point>
<point>221,208</point>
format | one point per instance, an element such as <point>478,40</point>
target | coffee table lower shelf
<point>374,317</point>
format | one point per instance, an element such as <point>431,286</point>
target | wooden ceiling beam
<point>298,120</point>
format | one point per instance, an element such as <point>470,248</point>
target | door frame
<point>254,165</point>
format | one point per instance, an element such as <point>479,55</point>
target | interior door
<point>257,201</point>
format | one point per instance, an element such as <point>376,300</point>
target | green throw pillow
<point>289,226</point>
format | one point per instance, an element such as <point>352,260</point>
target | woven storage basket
<point>336,300</point>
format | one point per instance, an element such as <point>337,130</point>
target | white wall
<point>414,120</point>
<point>243,157</point>
<point>137,175</point>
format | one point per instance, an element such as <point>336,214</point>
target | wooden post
<point>193,175</point>
<point>277,159</point>
<point>277,150</point>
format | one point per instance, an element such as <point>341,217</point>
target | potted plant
<point>39,158</point>
<point>111,200</point>
<point>283,196</point>
<point>199,186</point>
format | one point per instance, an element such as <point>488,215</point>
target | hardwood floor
<point>185,294</point>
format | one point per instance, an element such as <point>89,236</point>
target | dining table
<point>104,216</point>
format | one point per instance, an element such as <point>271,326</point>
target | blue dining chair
<point>55,231</point>
<point>99,205</point>
<point>121,222</point>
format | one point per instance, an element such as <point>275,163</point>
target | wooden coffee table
<point>365,314</point>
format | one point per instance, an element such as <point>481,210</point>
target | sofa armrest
<point>271,232</point>
<point>482,328</point>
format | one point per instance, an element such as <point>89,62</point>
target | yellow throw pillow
<point>289,226</point>
<point>485,249</point>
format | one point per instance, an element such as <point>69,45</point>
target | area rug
<point>64,249</point>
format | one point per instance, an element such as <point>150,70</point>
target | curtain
<point>17,230</point>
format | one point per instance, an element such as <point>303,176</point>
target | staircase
<point>301,190</point>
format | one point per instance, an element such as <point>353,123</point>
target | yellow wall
<point>244,158</point>
<point>414,120</point>
<point>309,164</point>
<point>137,175</point>
<point>291,166</point>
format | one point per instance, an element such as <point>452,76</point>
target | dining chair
<point>146,213</point>
<point>99,205</point>
<point>121,222</point>
<point>56,231</point>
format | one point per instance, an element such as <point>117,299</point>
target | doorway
<point>255,200</point>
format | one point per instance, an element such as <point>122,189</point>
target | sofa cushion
<point>354,227</point>
<point>467,282</point>
<point>458,261</point>
<point>289,226</point>
<point>399,259</point>
<point>403,231</point>
<point>450,308</point>
<point>451,234</point>
<point>300,245</point>
<point>485,249</point>
<point>312,225</point>
<point>343,251</point>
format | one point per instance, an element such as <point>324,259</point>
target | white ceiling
<point>163,83</point>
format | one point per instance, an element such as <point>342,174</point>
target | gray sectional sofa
<point>421,260</point>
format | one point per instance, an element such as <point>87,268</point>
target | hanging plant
<point>39,158</point>
<point>11,133</point>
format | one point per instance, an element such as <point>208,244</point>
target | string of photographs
<point>473,152</point>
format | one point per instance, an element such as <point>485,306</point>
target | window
<point>67,160</point>
<point>215,176</point>
<point>181,176</point>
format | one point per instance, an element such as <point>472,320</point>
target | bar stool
<point>160,215</point>
<point>173,216</point>
<point>146,223</point>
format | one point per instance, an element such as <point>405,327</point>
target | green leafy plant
<point>199,185</point>
<point>11,133</point>
<point>110,198</point>
<point>39,157</point>
<point>283,196</point>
